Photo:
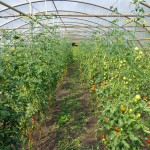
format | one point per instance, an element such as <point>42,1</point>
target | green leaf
<point>4,114</point>
<point>126,144</point>
<point>116,141</point>
<point>132,137</point>
<point>120,123</point>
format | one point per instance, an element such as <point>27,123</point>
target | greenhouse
<point>74,75</point>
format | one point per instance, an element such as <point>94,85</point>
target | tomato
<point>116,128</point>
<point>93,87</point>
<point>138,115</point>
<point>130,110</point>
<point>137,97</point>
<point>148,141</point>
<point>136,48</point>
<point>123,108</point>
<point>140,52</point>
<point>33,121</point>
<point>130,79</point>
<point>105,142</point>
<point>132,116</point>
<point>102,83</point>
<point>103,136</point>
<point>124,78</point>
<point>145,98</point>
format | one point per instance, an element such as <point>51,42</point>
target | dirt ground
<point>71,124</point>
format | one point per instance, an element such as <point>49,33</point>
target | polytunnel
<point>78,19</point>
<point>74,74</point>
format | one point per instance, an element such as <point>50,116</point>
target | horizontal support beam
<point>80,15</point>
<point>75,26</point>
<point>89,26</point>
<point>21,13</point>
<point>100,15</point>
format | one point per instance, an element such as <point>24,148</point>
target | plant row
<point>118,74</point>
<point>29,73</point>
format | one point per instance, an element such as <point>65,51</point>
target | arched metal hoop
<point>86,3</point>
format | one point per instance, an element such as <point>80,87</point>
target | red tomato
<point>93,87</point>
<point>116,128</point>
<point>33,121</point>
<point>103,136</point>
<point>148,141</point>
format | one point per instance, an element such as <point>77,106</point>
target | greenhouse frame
<point>74,74</point>
<point>92,14</point>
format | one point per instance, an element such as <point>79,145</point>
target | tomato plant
<point>119,73</point>
<point>29,73</point>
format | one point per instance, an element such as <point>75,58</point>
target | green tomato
<point>130,79</point>
<point>138,115</point>
<point>137,97</point>
<point>136,48</point>
<point>132,116</point>
<point>130,110</point>
<point>124,78</point>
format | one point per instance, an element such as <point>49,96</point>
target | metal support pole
<point>45,7</point>
<point>30,7</point>
<point>82,15</point>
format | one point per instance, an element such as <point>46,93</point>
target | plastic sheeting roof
<point>69,17</point>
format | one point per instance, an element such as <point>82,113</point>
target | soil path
<point>72,126</point>
<point>77,125</point>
